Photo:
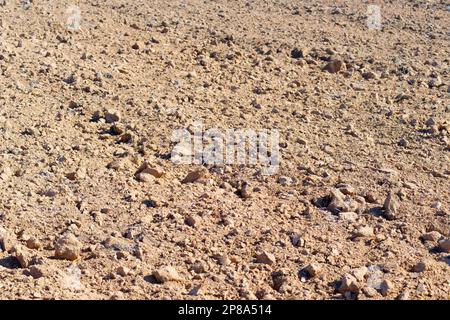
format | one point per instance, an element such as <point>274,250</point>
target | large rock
<point>7,241</point>
<point>68,247</point>
<point>342,203</point>
<point>23,255</point>
<point>166,274</point>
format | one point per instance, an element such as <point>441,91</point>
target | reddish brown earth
<point>78,222</point>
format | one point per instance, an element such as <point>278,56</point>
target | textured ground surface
<point>77,222</point>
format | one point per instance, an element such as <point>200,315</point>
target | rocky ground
<point>92,207</point>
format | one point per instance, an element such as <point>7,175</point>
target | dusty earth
<point>92,207</point>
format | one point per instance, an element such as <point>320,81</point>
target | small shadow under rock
<point>9,263</point>
<point>322,202</point>
<point>376,211</point>
<point>151,279</point>
<point>164,156</point>
<point>446,260</point>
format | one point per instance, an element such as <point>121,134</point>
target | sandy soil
<point>93,207</point>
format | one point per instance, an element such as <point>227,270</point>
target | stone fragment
<point>266,258</point>
<point>386,287</point>
<point>313,269</point>
<point>112,115</point>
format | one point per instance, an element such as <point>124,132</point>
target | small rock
<point>117,129</point>
<point>348,284</point>
<point>370,197</point>
<point>122,271</point>
<point>297,240</point>
<point>348,216</point>
<point>40,269</point>
<point>444,245</point>
<point>68,247</point>
<point>5,173</point>
<point>112,116</point>
<point>386,287</point>
<point>347,190</point>
<point>192,221</point>
<point>279,280</point>
<point>430,122</point>
<point>313,269</point>
<point>166,274</point>
<point>403,142</point>
<point>79,174</point>
<point>285,181</point>
<point>195,175</point>
<point>363,232</point>
<point>370,292</point>
<point>145,177</point>
<point>22,255</point>
<point>195,290</point>
<point>435,82</point>
<point>433,236</point>
<point>266,258</point>
<point>37,271</point>
<point>246,191</point>
<point>421,266</point>
<point>6,240</point>
<point>370,75</point>
<point>223,259</point>
<point>152,170</point>
<point>341,203</point>
<point>334,66</point>
<point>436,205</point>
<point>117,296</point>
<point>33,243</point>
<point>403,296</point>
<point>127,138</point>
<point>298,53</point>
<point>360,273</point>
<point>390,206</point>
<point>199,267</point>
